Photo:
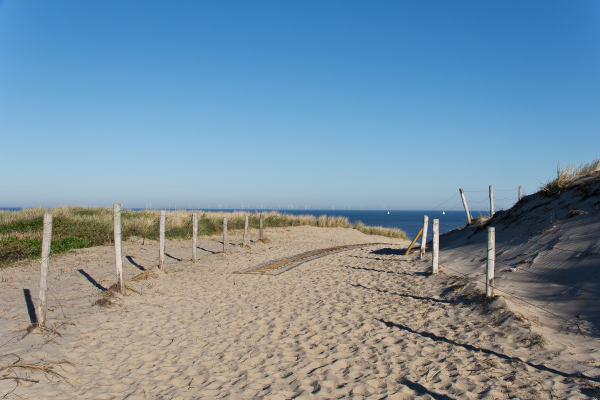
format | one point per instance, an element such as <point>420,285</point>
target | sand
<point>368,322</point>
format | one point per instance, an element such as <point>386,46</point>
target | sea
<point>407,220</point>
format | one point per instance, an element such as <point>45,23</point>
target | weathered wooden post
<point>245,230</point>
<point>424,237</point>
<point>491,201</point>
<point>118,247</point>
<point>491,259</point>
<point>161,242</point>
<point>195,235</point>
<point>44,267</point>
<point>224,234</point>
<point>464,201</point>
<point>436,246</point>
<point>260,227</point>
<point>520,192</point>
<point>410,246</point>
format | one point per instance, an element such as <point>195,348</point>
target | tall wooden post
<point>520,192</point>
<point>195,235</point>
<point>224,234</point>
<point>161,241</point>
<point>245,230</point>
<point>424,237</point>
<point>491,201</point>
<point>491,259</point>
<point>464,201</point>
<point>436,246</point>
<point>44,267</point>
<point>118,247</point>
<point>260,227</point>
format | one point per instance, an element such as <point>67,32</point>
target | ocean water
<point>409,221</point>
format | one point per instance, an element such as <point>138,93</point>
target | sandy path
<point>365,323</point>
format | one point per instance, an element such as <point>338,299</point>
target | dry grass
<point>111,296</point>
<point>534,340</point>
<point>7,371</point>
<point>144,276</point>
<point>567,174</point>
<point>481,220</point>
<point>108,298</point>
<point>380,231</point>
<point>79,227</point>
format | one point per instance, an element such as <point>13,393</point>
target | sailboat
<point>388,212</point>
<point>444,212</point>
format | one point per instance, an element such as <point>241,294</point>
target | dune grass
<point>567,174</point>
<point>79,227</point>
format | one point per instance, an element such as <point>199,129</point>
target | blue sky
<point>345,103</point>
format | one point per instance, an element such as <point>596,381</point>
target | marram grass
<point>78,227</point>
<point>567,174</point>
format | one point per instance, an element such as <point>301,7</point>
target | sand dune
<point>364,323</point>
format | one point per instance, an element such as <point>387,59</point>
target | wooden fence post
<point>436,246</point>
<point>118,247</point>
<point>260,227</point>
<point>491,258</point>
<point>464,201</point>
<point>245,230</point>
<point>410,246</point>
<point>520,192</point>
<point>224,234</point>
<point>491,201</point>
<point>161,243</point>
<point>44,267</point>
<point>424,237</point>
<point>195,235</point>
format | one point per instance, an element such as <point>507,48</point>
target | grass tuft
<point>567,174</point>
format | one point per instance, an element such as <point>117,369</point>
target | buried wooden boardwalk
<point>276,267</point>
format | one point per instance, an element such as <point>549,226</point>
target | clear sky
<point>393,104</point>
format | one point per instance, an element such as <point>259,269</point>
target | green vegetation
<point>79,227</point>
<point>567,174</point>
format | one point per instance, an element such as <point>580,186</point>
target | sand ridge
<point>364,323</point>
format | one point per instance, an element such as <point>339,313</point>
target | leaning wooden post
<point>260,226</point>
<point>224,234</point>
<point>195,235</point>
<point>520,192</point>
<point>436,246</point>
<point>245,230</point>
<point>424,237</point>
<point>161,242</point>
<point>491,259</point>
<point>118,248</point>
<point>491,201</point>
<point>45,266</point>
<point>410,246</point>
<point>464,201</point>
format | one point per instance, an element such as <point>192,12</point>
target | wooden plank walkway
<point>276,267</point>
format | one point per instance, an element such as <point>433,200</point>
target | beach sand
<point>368,322</point>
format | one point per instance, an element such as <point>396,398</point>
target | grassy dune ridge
<point>567,175</point>
<point>79,227</point>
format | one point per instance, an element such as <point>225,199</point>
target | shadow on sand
<point>405,295</point>
<point>469,347</point>
<point>30,306</point>
<point>91,280</point>
<point>130,259</point>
